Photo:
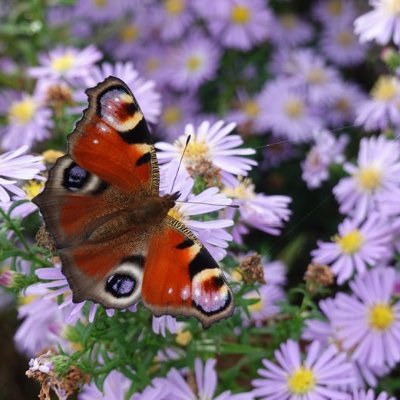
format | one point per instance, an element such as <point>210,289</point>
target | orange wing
<point>112,139</point>
<point>182,278</point>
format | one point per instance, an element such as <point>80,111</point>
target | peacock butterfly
<point>111,227</point>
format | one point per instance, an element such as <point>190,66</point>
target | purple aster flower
<point>240,24</point>
<point>334,11</point>
<point>59,286</point>
<point>324,332</point>
<point>288,30</point>
<point>375,178</point>
<point>175,16</point>
<point>212,142</point>
<point>31,189</point>
<point>206,383</point>
<point>341,46</point>
<point>28,121</point>
<point>144,91</point>
<point>370,395</point>
<point>101,11</point>
<point>344,105</point>
<point>116,387</point>
<point>277,152</point>
<point>267,305</point>
<point>311,73</point>
<point>317,376</point>
<point>151,62</point>
<point>275,272</point>
<point>356,246</point>
<point>287,113</point>
<point>130,35</point>
<point>367,322</point>
<point>382,24</point>
<point>15,166</point>
<point>163,324</point>
<point>66,63</point>
<point>176,113</point>
<point>381,111</point>
<point>266,213</point>
<point>42,323</point>
<point>249,114</point>
<point>327,150</point>
<point>195,61</point>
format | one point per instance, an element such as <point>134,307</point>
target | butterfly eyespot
<point>210,293</point>
<point>75,177</point>
<point>120,285</point>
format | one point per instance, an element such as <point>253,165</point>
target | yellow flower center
<point>129,33</point>
<point>63,63</point>
<point>100,3</point>
<point>294,108</point>
<point>351,242</point>
<point>193,63</point>
<point>240,15</point>
<point>302,381</point>
<point>369,179</point>
<point>335,7</point>
<point>381,317</point>
<point>243,191</point>
<point>50,156</point>
<point>196,150</point>
<point>251,108</point>
<point>23,300</point>
<point>345,38</point>
<point>392,6</point>
<point>236,276</point>
<point>183,338</point>
<point>316,76</point>
<point>172,115</point>
<point>33,188</point>
<point>22,111</point>
<point>175,213</point>
<point>342,105</point>
<point>258,305</point>
<point>385,89</point>
<point>174,7</point>
<point>288,21</point>
<point>153,64</point>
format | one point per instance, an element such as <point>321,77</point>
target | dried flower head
<point>42,369</point>
<point>317,276</point>
<point>207,171</point>
<point>251,269</point>
<point>45,240</point>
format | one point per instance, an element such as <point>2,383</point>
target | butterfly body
<point>112,229</point>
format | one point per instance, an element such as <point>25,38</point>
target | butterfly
<point>112,229</point>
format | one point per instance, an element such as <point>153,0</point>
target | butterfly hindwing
<point>182,278</point>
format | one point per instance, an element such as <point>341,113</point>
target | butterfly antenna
<point>208,204</point>
<point>180,162</point>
